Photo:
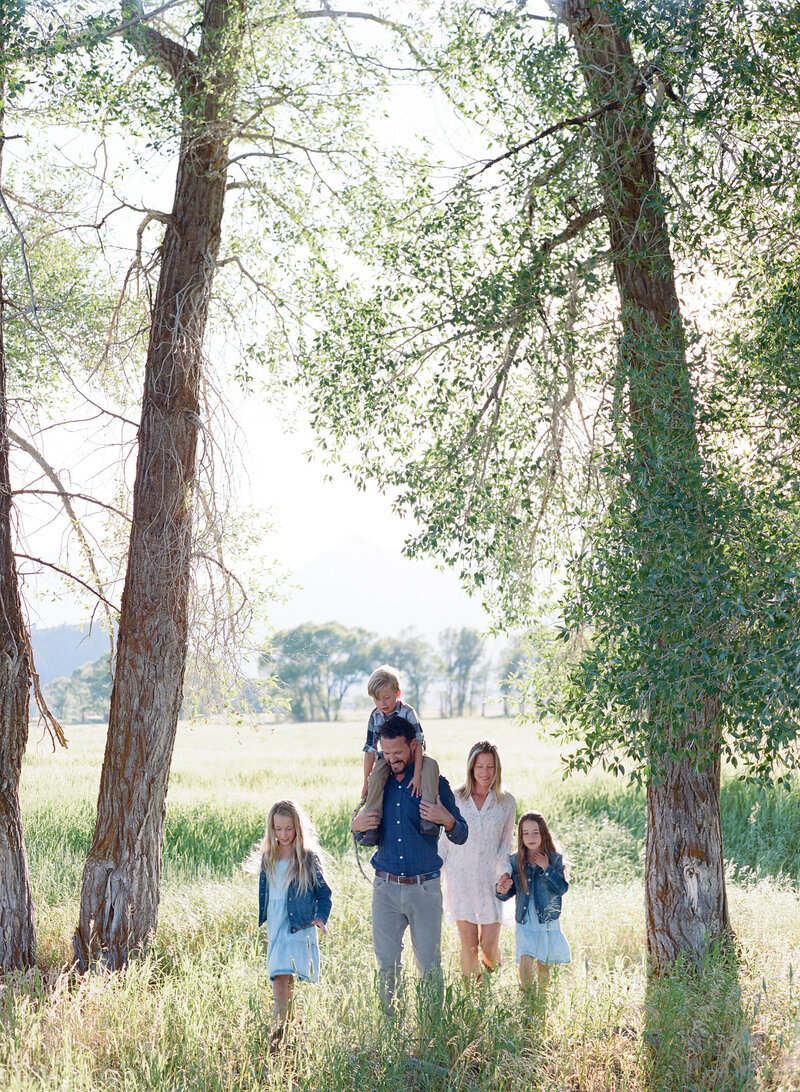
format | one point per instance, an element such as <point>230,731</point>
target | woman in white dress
<point>471,870</point>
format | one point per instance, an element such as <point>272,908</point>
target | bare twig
<point>330,13</point>
<point>581,119</point>
<point>70,576</point>
<point>23,249</point>
<point>72,496</point>
<point>36,455</point>
<point>51,724</point>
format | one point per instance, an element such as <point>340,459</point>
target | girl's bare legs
<point>543,972</point>
<point>490,945</point>
<point>526,976</point>
<point>468,933</point>
<point>282,995</point>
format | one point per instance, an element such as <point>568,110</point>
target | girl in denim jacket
<point>295,901</point>
<point>538,879</point>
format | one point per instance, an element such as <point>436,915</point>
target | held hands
<point>365,820</point>
<point>416,781</point>
<point>320,924</point>
<point>504,884</point>
<point>437,813</point>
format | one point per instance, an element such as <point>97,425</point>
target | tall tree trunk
<point>17,933</point>
<point>684,878</point>
<point>685,898</point>
<point>122,875</point>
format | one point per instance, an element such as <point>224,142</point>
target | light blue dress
<point>541,939</point>
<point>287,952</point>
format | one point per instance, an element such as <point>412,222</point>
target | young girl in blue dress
<point>295,901</point>
<point>538,879</point>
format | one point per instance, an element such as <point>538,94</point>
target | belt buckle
<point>408,880</point>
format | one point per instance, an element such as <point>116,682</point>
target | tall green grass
<point>193,1013</point>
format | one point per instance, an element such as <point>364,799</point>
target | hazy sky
<point>309,514</point>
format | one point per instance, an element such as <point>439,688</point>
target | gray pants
<point>395,908</point>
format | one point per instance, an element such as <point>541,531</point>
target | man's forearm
<point>457,833</point>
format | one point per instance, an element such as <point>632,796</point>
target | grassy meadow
<point>193,1014</point>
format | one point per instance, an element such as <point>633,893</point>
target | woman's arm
<point>505,886</point>
<point>509,806</point>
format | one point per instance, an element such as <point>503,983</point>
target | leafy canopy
<point>488,332</point>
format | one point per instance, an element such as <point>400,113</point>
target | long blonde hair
<point>548,845</point>
<point>306,852</point>
<point>482,747</point>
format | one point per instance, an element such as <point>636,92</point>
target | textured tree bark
<point>122,875</point>
<point>685,898</point>
<point>17,933</point>
<point>686,901</point>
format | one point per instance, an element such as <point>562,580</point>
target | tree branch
<point>178,61</point>
<point>51,724</point>
<point>143,16</point>
<point>66,501</point>
<point>72,496</point>
<point>582,119</point>
<point>573,228</point>
<point>70,576</point>
<point>116,29</point>
<point>250,155</point>
<point>23,249</point>
<point>330,13</point>
<point>18,312</point>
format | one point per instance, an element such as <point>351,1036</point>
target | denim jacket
<point>546,886</point>
<point>301,907</point>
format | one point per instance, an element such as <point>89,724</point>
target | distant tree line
<point>84,696</point>
<point>312,668</point>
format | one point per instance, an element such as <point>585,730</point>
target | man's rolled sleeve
<point>458,835</point>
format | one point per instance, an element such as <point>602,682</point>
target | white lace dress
<point>470,871</point>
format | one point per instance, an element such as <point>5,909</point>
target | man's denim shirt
<point>546,886</point>
<point>402,849</point>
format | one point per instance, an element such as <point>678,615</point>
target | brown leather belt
<point>405,879</point>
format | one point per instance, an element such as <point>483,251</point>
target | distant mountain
<point>355,583</point>
<point>59,650</point>
<point>359,584</point>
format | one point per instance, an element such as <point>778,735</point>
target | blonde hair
<point>385,675</point>
<point>306,852</point>
<point>548,845</point>
<point>482,747</point>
